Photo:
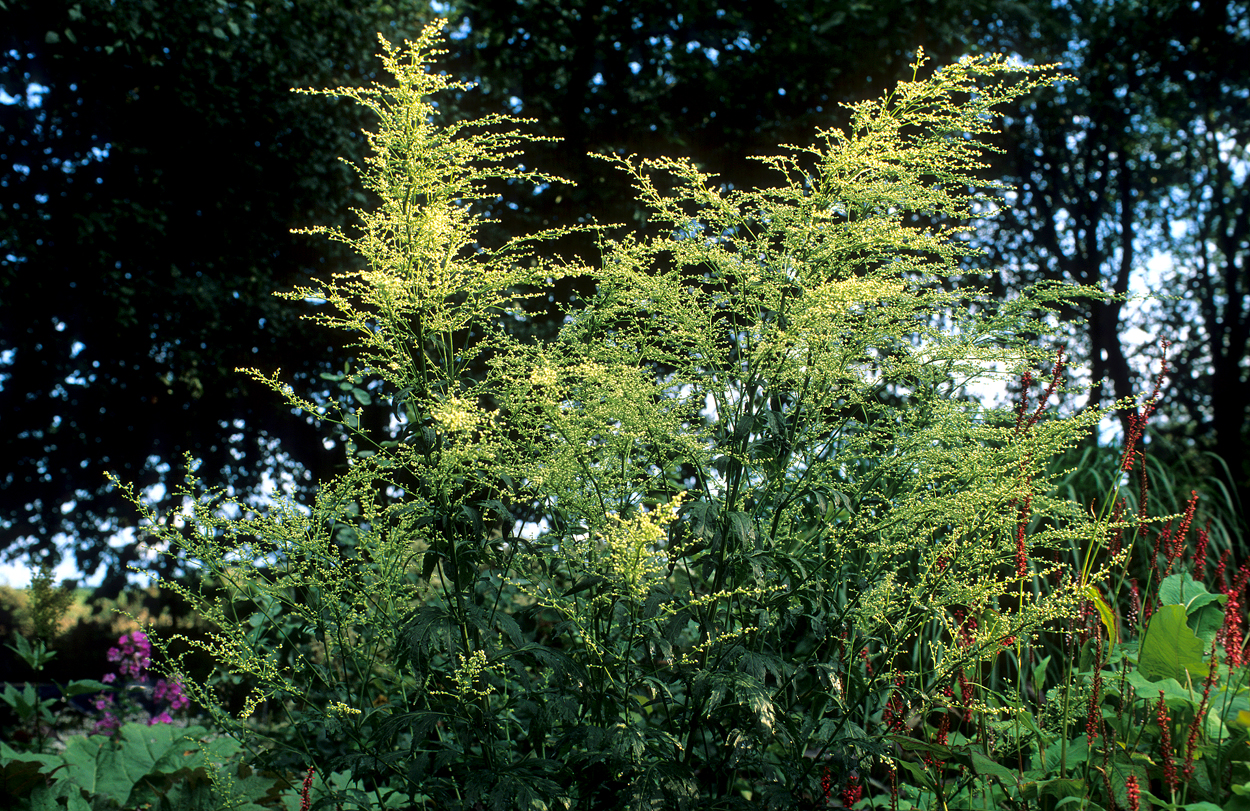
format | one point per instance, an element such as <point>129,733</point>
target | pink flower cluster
<point>133,656</point>
<point>134,653</point>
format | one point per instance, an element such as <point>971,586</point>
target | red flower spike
<point>1165,743</point>
<point>1154,557</point>
<point>1243,576</point>
<point>1117,540</point>
<point>853,791</point>
<point>1134,610</point>
<point>966,694</point>
<point>944,727</point>
<point>1188,771</point>
<point>895,713</point>
<point>1137,422</point>
<point>1186,521</point>
<point>1134,793</point>
<point>1055,373</point>
<point>1022,559</point>
<point>305,795</point>
<point>863,654</point>
<point>1230,635</point>
<point>1093,713</point>
<point>1167,542</point>
<point>1026,380</point>
<point>1220,569</point>
<point>1200,553</point>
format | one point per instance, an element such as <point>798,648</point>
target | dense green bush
<point>718,544</point>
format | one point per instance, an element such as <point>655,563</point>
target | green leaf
<point>83,686</point>
<point>743,529</point>
<point>1204,609</point>
<point>1182,589</point>
<point>20,772</point>
<point>1174,693</point>
<point>984,765</point>
<point>1059,788</point>
<point>88,759</point>
<point>110,768</point>
<point>917,771</point>
<point>584,584</point>
<point>47,798</point>
<point>1039,673</point>
<point>1104,613</point>
<point>1170,650</point>
<point>913,745</point>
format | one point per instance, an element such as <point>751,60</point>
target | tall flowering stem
<point>1133,790</point>
<point>1136,430</point>
<point>1191,742</point>
<point>1137,422</point>
<point>1162,717</point>
<point>1231,633</point>
<point>305,794</point>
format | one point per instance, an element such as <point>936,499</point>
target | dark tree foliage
<point>1144,154</point>
<point>152,163</point>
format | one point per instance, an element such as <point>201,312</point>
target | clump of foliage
<point>47,604</point>
<point>140,767</point>
<point>711,546</point>
<point>1141,699</point>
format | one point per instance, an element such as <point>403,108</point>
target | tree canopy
<point>1141,159</point>
<point>153,161</point>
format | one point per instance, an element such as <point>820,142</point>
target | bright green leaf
<point>1170,650</point>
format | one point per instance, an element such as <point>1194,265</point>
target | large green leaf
<point>1182,589</point>
<point>110,768</point>
<point>1170,649</point>
<point>48,798</point>
<point>1204,609</point>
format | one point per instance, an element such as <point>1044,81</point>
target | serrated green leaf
<point>743,528</point>
<point>110,768</point>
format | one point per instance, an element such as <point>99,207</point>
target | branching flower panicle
<point>617,552</point>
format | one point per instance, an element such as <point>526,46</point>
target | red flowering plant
<point>1140,700</point>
